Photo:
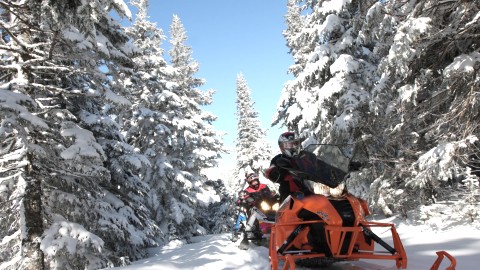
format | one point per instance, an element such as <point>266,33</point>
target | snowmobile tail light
<point>265,206</point>
<point>275,207</point>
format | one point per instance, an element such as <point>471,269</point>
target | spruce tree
<point>195,145</point>
<point>252,151</point>
<point>333,72</point>
<point>148,127</point>
<point>427,86</point>
<point>63,207</point>
<point>372,72</point>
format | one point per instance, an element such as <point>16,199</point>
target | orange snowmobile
<point>318,230</point>
<point>330,225</point>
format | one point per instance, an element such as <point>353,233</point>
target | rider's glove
<point>283,162</point>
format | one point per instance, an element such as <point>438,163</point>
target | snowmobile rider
<point>254,186</point>
<point>289,145</point>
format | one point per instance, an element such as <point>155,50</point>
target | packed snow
<point>219,252</point>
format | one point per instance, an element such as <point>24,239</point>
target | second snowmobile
<point>260,211</point>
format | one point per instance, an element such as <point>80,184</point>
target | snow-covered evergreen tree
<point>371,72</point>
<point>252,150</point>
<point>194,144</point>
<point>69,211</point>
<point>199,143</point>
<point>430,83</point>
<point>332,71</point>
<point>148,126</point>
<point>170,127</point>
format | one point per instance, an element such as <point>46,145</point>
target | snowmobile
<point>259,211</point>
<point>330,225</point>
<point>327,226</point>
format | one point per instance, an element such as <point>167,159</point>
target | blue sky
<point>231,37</point>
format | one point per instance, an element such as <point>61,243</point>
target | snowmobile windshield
<point>309,166</point>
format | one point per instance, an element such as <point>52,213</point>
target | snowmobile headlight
<point>275,206</point>
<point>338,191</point>
<point>265,206</point>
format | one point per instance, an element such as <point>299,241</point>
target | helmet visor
<point>290,145</point>
<point>290,148</point>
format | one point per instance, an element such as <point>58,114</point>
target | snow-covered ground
<point>218,252</point>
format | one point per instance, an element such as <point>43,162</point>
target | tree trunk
<point>31,253</point>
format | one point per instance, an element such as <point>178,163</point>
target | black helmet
<point>289,143</point>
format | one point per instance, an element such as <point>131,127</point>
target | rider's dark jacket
<point>277,173</point>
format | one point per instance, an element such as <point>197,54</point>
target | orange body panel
<point>345,242</point>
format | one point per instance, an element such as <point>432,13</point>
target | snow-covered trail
<point>218,252</point>
<point>206,252</point>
